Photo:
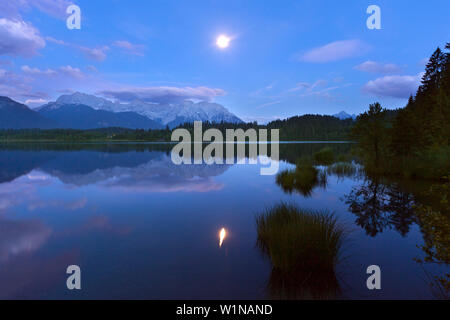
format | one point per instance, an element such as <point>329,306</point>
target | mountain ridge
<point>170,115</point>
<point>79,116</point>
<point>15,115</point>
<point>344,115</point>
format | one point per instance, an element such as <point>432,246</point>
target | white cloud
<point>309,86</point>
<point>335,51</point>
<point>71,71</point>
<point>393,86</point>
<point>35,102</point>
<point>92,68</point>
<point>64,70</point>
<point>19,38</point>
<point>268,104</point>
<point>54,8</point>
<point>36,71</point>
<point>97,54</point>
<point>163,94</point>
<point>130,48</point>
<point>377,67</point>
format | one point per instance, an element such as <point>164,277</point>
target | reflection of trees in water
<point>303,285</point>
<point>434,222</point>
<point>378,206</point>
<point>291,152</point>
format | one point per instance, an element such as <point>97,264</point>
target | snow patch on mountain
<point>166,114</point>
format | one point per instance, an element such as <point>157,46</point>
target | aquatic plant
<point>299,239</point>
<point>342,169</point>
<point>302,179</point>
<point>324,156</point>
<point>304,247</point>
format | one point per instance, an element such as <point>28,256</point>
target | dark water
<point>141,227</point>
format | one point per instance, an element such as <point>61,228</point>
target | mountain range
<point>170,115</point>
<point>83,111</point>
<point>344,115</point>
<point>14,115</point>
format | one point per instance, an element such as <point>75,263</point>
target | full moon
<point>223,41</point>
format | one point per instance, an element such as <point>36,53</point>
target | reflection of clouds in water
<point>100,223</point>
<point>25,190</point>
<point>21,237</point>
<point>158,175</point>
<point>19,191</point>
<point>67,206</point>
<point>29,276</point>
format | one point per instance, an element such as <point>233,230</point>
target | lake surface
<point>142,227</point>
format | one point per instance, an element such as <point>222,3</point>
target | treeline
<point>304,128</point>
<point>313,127</point>
<point>414,143</point>
<point>72,135</point>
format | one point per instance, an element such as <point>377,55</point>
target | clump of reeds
<point>302,179</point>
<point>342,169</point>
<point>304,247</point>
<point>324,156</point>
<point>295,238</point>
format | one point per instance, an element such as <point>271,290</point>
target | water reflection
<point>378,206</point>
<point>128,207</point>
<point>222,236</point>
<point>132,171</point>
<point>21,237</point>
<point>303,179</point>
<point>300,285</point>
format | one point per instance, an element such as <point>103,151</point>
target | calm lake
<point>142,227</point>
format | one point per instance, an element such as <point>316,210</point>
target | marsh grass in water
<point>342,169</point>
<point>304,247</point>
<point>303,179</point>
<point>295,238</point>
<point>324,157</point>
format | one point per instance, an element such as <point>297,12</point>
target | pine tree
<point>370,131</point>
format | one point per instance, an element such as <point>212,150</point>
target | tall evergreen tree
<point>370,131</point>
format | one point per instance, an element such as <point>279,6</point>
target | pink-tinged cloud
<point>18,237</point>
<point>35,71</point>
<point>54,8</point>
<point>18,38</point>
<point>377,67</point>
<point>130,48</point>
<point>96,54</point>
<point>64,71</point>
<point>163,94</point>
<point>335,51</point>
<point>393,86</point>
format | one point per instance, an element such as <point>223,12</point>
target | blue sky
<point>285,58</point>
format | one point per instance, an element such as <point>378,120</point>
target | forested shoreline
<point>414,143</point>
<point>299,128</point>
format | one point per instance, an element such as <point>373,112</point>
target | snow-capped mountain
<point>166,114</point>
<point>344,115</point>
